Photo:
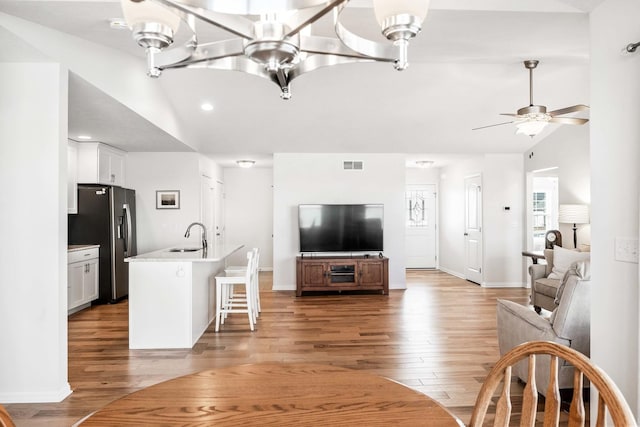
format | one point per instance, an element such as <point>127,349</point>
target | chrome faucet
<point>204,233</point>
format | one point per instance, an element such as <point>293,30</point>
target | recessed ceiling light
<point>245,163</point>
<point>206,106</point>
<point>118,24</point>
<point>85,137</point>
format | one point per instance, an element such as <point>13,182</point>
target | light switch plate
<point>627,249</point>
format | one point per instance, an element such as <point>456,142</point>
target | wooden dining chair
<point>5,418</point>
<point>609,396</point>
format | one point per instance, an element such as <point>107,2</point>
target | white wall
<point>249,212</point>
<point>615,156</point>
<point>502,185</point>
<point>148,172</point>
<point>423,175</point>
<point>33,226</point>
<point>319,178</point>
<point>567,149</point>
<point>452,213</point>
<point>120,75</point>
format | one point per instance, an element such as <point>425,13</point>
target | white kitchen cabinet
<point>72,177</point>
<point>100,164</point>
<point>82,276</point>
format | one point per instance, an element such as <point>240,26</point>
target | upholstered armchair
<point>569,324</point>
<point>546,278</point>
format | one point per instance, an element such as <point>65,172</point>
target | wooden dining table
<point>275,394</point>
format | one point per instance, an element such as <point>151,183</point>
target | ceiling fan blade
<point>490,126</point>
<point>567,110</point>
<point>568,120</point>
<point>509,114</point>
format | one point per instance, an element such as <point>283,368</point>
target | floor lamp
<point>574,214</point>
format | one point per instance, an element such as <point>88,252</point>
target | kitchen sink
<point>184,249</point>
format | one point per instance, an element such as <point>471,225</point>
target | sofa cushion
<point>548,287</point>
<point>562,260</point>
<point>581,269</point>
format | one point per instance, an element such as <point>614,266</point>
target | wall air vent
<point>352,165</point>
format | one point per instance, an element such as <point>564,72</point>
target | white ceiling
<point>466,68</point>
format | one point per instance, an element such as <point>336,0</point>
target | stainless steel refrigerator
<point>106,216</point>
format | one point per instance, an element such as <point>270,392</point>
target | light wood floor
<point>438,336</point>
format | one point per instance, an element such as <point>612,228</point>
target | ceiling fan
<point>532,119</point>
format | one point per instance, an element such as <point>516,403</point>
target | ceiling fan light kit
<point>274,38</point>
<point>533,119</point>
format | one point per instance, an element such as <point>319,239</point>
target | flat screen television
<point>341,228</point>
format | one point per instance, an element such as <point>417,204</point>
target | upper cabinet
<point>100,164</point>
<point>72,177</point>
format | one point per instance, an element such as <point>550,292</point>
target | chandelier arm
<point>360,45</point>
<point>308,16</point>
<point>237,25</point>
<point>314,62</point>
<point>331,46</point>
<point>253,7</point>
<point>188,54</point>
<point>231,63</point>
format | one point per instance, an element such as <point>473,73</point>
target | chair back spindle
<point>610,399</point>
<point>5,418</point>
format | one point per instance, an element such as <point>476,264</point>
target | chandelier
<point>273,37</point>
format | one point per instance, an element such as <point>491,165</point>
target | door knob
<point>466,234</point>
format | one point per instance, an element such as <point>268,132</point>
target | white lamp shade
<point>530,127</point>
<point>149,12</point>
<point>388,8</point>
<point>573,214</point>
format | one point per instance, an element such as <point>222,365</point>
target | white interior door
<point>473,228</point>
<point>207,207</point>
<point>420,234</point>
<point>219,212</point>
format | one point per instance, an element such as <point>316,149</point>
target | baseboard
<point>38,397</point>
<point>453,273</point>
<point>284,288</point>
<point>503,285</point>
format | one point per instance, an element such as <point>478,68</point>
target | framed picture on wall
<point>168,199</point>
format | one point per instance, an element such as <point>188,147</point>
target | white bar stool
<point>255,285</point>
<point>227,301</point>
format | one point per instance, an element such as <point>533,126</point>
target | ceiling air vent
<point>352,165</point>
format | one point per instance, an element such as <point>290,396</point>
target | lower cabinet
<point>82,281</point>
<point>342,274</point>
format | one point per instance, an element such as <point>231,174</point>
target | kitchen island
<point>172,295</point>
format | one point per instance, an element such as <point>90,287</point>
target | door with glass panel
<point>420,235</point>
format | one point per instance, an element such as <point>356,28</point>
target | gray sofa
<point>569,324</point>
<point>543,289</point>
<point>546,278</point>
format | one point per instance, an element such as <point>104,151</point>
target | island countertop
<point>75,248</point>
<point>214,253</point>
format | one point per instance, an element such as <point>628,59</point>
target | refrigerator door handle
<point>127,239</point>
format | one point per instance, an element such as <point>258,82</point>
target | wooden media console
<point>363,273</point>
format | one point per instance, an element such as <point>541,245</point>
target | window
<point>417,215</point>
<point>544,209</point>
